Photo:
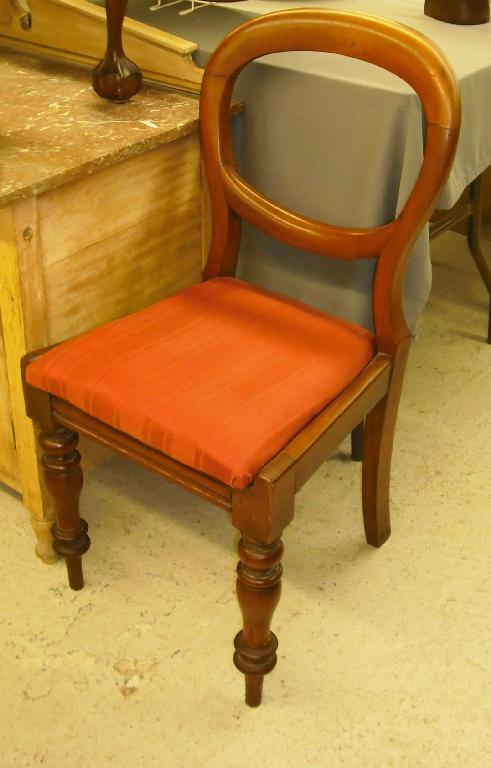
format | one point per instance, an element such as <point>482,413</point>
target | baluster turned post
<point>63,476</point>
<point>258,592</point>
<point>116,77</point>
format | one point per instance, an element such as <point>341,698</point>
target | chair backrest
<point>389,45</point>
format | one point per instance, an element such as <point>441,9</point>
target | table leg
<point>474,239</point>
<point>470,210</point>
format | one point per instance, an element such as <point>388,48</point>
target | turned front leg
<point>258,592</point>
<point>63,476</point>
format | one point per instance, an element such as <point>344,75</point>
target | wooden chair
<point>228,390</point>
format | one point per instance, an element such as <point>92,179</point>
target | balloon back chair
<point>230,391</point>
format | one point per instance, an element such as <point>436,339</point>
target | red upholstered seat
<point>219,376</point>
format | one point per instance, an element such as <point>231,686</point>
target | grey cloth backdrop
<point>341,141</point>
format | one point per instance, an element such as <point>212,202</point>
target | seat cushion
<point>219,376</point>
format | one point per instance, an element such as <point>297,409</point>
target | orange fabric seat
<point>219,376</point>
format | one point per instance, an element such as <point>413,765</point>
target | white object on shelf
<point>195,5</point>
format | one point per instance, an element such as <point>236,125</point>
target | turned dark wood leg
<point>474,240</point>
<point>258,592</point>
<point>63,476</point>
<point>357,442</point>
<point>116,77</point>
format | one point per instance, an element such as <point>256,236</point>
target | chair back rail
<point>398,49</point>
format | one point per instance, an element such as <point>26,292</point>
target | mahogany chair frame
<point>263,509</point>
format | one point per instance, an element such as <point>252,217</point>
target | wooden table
<point>100,214</point>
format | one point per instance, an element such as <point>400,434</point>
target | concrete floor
<point>384,655</point>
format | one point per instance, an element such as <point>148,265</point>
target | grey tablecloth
<point>341,141</point>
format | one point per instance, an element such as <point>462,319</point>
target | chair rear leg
<point>258,592</point>
<point>378,438</point>
<point>377,452</point>
<point>63,476</point>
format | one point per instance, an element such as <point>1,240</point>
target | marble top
<point>54,128</point>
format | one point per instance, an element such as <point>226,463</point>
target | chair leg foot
<point>258,592</point>
<point>63,476</point>
<point>74,570</point>
<point>75,573</point>
<point>378,538</point>
<point>253,689</point>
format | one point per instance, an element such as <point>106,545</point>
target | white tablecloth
<point>341,140</point>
